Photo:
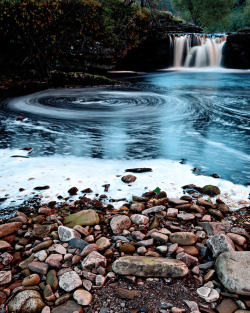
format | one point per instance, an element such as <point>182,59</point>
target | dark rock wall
<point>152,54</point>
<point>236,52</point>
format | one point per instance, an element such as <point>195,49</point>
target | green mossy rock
<point>211,190</point>
<point>82,218</point>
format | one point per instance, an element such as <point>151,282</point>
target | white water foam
<point>64,172</point>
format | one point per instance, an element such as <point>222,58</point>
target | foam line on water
<point>64,172</point>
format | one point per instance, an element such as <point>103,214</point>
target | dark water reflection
<point>202,117</point>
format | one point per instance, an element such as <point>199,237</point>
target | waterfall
<point>193,50</point>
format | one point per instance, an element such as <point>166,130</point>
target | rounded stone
<point>82,297</point>
<point>129,178</point>
<point>127,248</point>
<point>32,280</point>
<point>139,219</point>
<point>103,243</point>
<point>183,238</point>
<point>191,250</point>
<point>119,223</point>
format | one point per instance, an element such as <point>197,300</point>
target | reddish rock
<point>38,267</point>
<point>129,178</point>
<point>9,228</point>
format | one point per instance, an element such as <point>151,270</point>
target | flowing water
<point>202,117</point>
<point>196,50</point>
<point>195,111</point>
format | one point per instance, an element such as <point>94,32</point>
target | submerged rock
<point>149,267</point>
<point>211,190</point>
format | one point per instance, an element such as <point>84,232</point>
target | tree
<point>205,12</point>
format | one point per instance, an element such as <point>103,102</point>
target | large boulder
<point>82,218</point>
<point>149,267</point>
<point>27,301</point>
<point>233,270</point>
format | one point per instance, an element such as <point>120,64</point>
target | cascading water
<point>194,50</point>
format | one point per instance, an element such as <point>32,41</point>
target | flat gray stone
<point>233,270</point>
<point>149,267</point>
<point>154,209</point>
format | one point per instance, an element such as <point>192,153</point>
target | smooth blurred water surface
<point>202,117</point>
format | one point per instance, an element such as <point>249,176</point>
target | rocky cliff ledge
<point>237,50</point>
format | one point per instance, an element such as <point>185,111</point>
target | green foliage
<point>240,17</point>
<point>207,13</point>
<point>157,190</point>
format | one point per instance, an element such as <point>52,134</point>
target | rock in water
<point>233,270</point>
<point>129,178</point>
<point>149,267</point>
<point>82,218</point>
<point>211,190</point>
<point>28,301</point>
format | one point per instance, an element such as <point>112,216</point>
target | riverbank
<point>71,254</point>
<point>13,87</point>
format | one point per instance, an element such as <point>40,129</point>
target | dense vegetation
<point>219,15</point>
<point>49,31</point>
<point>42,34</point>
